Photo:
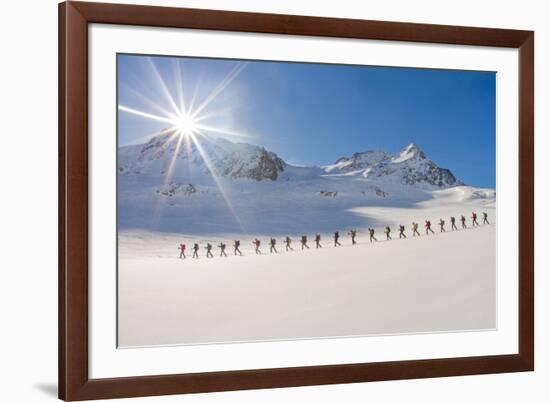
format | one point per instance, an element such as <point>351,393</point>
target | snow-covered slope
<point>444,282</point>
<point>227,187</point>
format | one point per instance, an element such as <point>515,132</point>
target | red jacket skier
<point>474,219</point>
<point>257,243</point>
<point>182,250</point>
<point>428,227</point>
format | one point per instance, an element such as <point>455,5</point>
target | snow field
<point>445,282</point>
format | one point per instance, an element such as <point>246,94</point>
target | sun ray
<point>213,171</point>
<point>171,139</point>
<point>163,86</point>
<point>178,75</point>
<point>219,89</point>
<point>213,114</point>
<point>170,171</point>
<point>166,143</point>
<point>195,94</point>
<point>145,114</point>
<point>219,130</point>
<point>147,137</point>
<point>148,101</point>
<point>187,160</point>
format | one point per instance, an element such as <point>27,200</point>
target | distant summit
<point>410,166</point>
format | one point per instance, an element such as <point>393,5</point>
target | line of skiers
<point>336,238</point>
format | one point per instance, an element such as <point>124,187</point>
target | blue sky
<point>312,114</point>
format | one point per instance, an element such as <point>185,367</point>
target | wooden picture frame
<point>74,381</point>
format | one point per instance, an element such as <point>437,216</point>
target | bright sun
<point>185,123</point>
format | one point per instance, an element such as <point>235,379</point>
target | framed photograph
<point>259,200</point>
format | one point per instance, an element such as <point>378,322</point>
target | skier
<point>236,245</point>
<point>453,225</point>
<point>318,241</point>
<point>304,242</point>
<point>371,235</point>
<point>257,243</point>
<point>182,250</point>
<point>474,219</point>
<point>387,231</point>
<point>485,220</point>
<point>441,225</point>
<point>222,249</point>
<point>402,232</point>
<point>336,237</point>
<point>288,240</point>
<point>196,250</point>
<point>209,251</point>
<point>463,220</point>
<point>415,229</point>
<point>272,243</point>
<point>428,227</point>
<point>353,234</point>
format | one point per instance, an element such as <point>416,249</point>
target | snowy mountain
<point>410,166</point>
<point>244,161</point>
<point>228,159</point>
<point>168,187</point>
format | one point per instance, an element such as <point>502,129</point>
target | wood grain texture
<point>73,202</point>
<point>298,25</point>
<point>526,263</point>
<point>74,382</point>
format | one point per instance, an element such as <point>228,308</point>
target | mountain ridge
<point>240,160</point>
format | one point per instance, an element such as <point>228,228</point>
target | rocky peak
<point>411,151</point>
<point>367,158</point>
<point>260,165</point>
